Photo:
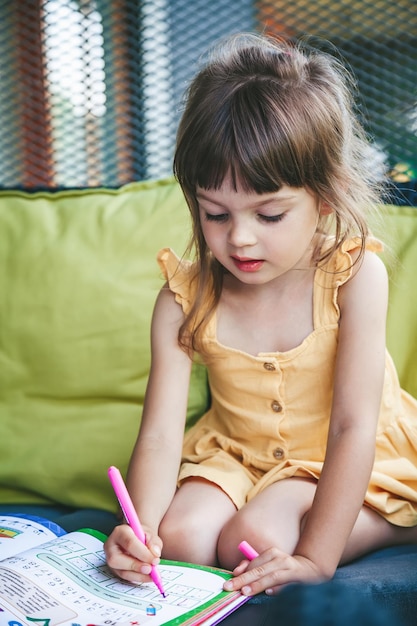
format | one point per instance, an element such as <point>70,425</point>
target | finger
<point>154,544</point>
<point>250,566</point>
<point>272,591</point>
<point>272,577</point>
<point>244,578</point>
<point>268,574</point>
<point>132,575</point>
<point>242,567</point>
<point>123,554</point>
<point>269,583</point>
<point>138,572</point>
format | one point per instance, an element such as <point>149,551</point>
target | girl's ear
<point>325,209</point>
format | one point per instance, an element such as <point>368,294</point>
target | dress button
<point>278,453</point>
<point>275,406</point>
<point>270,367</point>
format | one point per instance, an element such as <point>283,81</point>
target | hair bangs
<point>267,155</point>
<point>258,155</point>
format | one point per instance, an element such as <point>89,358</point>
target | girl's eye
<point>272,218</point>
<point>220,218</point>
<point>216,217</point>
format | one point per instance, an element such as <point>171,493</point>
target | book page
<point>67,581</point>
<point>21,532</point>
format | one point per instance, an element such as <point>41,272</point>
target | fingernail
<point>156,550</point>
<point>228,585</point>
<point>247,591</point>
<point>145,569</point>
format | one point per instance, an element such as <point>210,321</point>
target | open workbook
<point>51,578</point>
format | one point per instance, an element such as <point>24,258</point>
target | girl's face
<point>259,237</point>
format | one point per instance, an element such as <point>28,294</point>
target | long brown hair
<point>270,113</point>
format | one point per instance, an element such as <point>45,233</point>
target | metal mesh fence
<point>91,89</point>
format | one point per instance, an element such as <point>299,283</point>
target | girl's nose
<point>241,234</point>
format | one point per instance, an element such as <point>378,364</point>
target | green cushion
<point>398,229</point>
<point>79,278</point>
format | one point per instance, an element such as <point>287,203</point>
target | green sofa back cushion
<point>399,230</point>
<point>79,277</point>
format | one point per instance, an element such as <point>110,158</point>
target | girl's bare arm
<point>156,456</point>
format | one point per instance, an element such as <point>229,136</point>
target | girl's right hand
<point>128,557</point>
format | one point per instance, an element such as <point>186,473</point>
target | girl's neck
<point>274,317</point>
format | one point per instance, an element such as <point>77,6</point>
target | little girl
<point>309,448</point>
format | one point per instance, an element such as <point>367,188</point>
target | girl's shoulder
<point>334,273</point>
<point>341,263</point>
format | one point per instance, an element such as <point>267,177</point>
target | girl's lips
<point>247,265</point>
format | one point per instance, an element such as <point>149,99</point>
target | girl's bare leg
<point>276,516</point>
<point>191,527</point>
<point>372,532</point>
<point>272,518</point>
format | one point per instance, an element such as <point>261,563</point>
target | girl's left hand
<point>270,571</point>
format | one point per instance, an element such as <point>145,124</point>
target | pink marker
<point>131,517</point>
<point>247,550</point>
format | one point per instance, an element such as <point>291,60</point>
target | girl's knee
<point>189,538</point>
<point>177,533</point>
<point>169,530</point>
<point>239,528</point>
<point>191,527</point>
<point>273,518</point>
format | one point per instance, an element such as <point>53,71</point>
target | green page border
<point>226,575</point>
<point>94,533</point>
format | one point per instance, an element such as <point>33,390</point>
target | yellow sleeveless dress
<point>269,413</point>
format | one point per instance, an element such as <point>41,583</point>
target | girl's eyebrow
<point>202,196</point>
<point>260,203</point>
